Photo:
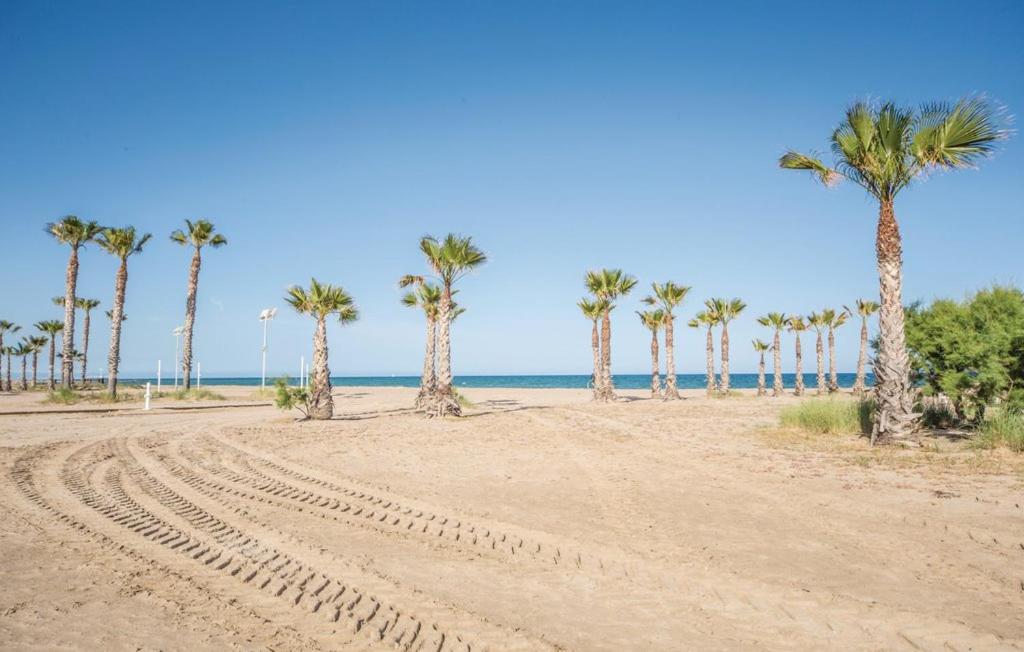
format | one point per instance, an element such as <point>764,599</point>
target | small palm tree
<point>37,343</point>
<point>761,347</point>
<point>818,322</point>
<point>865,309</point>
<point>51,328</point>
<point>86,306</point>
<point>5,328</point>
<point>427,297</point>
<point>197,235</point>
<point>883,149</point>
<point>121,243</point>
<point>23,350</point>
<point>8,351</point>
<point>653,320</point>
<point>668,295</point>
<point>608,285</point>
<point>725,310</point>
<point>594,309</point>
<point>833,320</point>
<point>322,301</point>
<point>776,321</point>
<point>450,258</point>
<point>74,233</point>
<point>707,320</point>
<point>797,325</point>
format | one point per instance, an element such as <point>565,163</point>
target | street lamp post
<point>266,316</point>
<point>177,338</point>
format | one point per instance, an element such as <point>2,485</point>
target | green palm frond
<point>668,294</point>
<point>199,234</point>
<point>796,324</point>
<point>760,346</point>
<point>86,304</point>
<point>322,300</point>
<point>652,319</point>
<point>957,136</point>
<point>776,320</point>
<point>452,257</point>
<point>725,310</point>
<point>73,231</point>
<point>863,307</point>
<point>50,327</point>
<point>609,284</point>
<point>122,242</point>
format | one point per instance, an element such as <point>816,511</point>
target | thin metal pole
<point>159,372</point>
<point>263,374</point>
<point>176,362</point>
<point>199,374</point>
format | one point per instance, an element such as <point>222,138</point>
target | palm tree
<point>776,321</point>
<point>725,310</point>
<point>321,301</point>
<point>593,309</point>
<point>121,243</point>
<point>23,350</point>
<point>668,295</point>
<point>73,232</point>
<point>761,347</point>
<point>86,306</point>
<point>818,323</point>
<point>8,351</point>
<point>7,327</point>
<point>428,297</point>
<point>796,326</point>
<point>883,149</point>
<point>608,285</point>
<point>51,328</point>
<point>450,259</point>
<point>198,234</point>
<point>833,320</point>
<point>865,309</point>
<point>706,319</point>
<point>36,343</point>
<point>653,320</point>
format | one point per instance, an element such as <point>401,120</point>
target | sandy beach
<point>541,521</point>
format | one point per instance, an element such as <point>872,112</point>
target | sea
<point>567,381</point>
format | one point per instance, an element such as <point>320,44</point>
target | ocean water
<point>580,381</point>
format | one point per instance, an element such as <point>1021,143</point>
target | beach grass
<point>1003,429</point>
<point>196,394</point>
<point>829,416</point>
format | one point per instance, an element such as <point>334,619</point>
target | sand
<point>540,521</point>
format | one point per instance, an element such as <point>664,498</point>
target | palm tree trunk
<point>819,349</point>
<point>445,403</point>
<point>895,416</point>
<point>833,381</point>
<point>655,368</point>
<point>761,391</point>
<point>777,387</point>
<point>114,355</point>
<point>862,356</point>
<point>53,354</point>
<point>607,387</point>
<point>24,375</point>
<point>68,343</point>
<point>427,380</point>
<point>799,391</point>
<point>1,361</point>
<point>85,346</point>
<point>321,404</point>
<point>35,368</point>
<point>725,359</point>
<point>671,390</point>
<point>709,352</point>
<point>8,384</point>
<point>190,320</point>
<point>595,346</point>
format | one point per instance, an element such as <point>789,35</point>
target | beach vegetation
<point>287,397</point>
<point>830,416</point>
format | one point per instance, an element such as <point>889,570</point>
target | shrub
<point>830,416</point>
<point>291,398</point>
<point>1005,428</point>
<point>197,394</point>
<point>63,396</point>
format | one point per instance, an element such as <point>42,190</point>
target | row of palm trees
<point>122,243</point>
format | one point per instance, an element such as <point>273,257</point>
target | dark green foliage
<point>291,398</point>
<point>972,351</point>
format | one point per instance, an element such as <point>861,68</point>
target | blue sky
<point>324,139</point>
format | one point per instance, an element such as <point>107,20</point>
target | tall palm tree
<point>725,310</point>
<point>865,308</point>
<point>52,328</point>
<point>797,325</point>
<point>450,258</point>
<point>818,322</point>
<point>668,295</point>
<point>653,320</point>
<point>23,350</point>
<point>593,309</point>
<point>608,285</point>
<point>833,320</point>
<point>36,343</point>
<point>426,296</point>
<point>883,149</point>
<point>198,234</point>
<point>761,347</point>
<point>707,320</point>
<point>776,321</point>
<point>122,243</point>
<point>74,233</point>
<point>7,327</point>
<point>86,306</point>
<point>322,301</point>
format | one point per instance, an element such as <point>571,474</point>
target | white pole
<point>147,397</point>
<point>302,369</point>
<point>199,374</point>
<point>176,336</point>
<point>263,374</point>
<point>158,374</point>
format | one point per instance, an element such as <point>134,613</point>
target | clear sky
<point>323,140</point>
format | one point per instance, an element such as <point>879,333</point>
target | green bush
<point>830,416</point>
<point>197,394</point>
<point>291,398</point>
<point>1005,428</point>
<point>63,396</point>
